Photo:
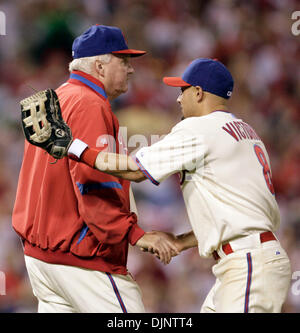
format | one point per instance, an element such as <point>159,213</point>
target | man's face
<point>188,101</point>
<point>116,75</point>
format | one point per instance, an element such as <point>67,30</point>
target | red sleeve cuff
<point>135,234</point>
<point>89,156</point>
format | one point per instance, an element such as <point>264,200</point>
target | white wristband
<point>77,148</point>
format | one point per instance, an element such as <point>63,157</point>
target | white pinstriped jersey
<point>225,177</point>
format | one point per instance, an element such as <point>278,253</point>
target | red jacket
<point>68,213</point>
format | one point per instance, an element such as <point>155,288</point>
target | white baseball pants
<point>62,288</point>
<point>250,280</point>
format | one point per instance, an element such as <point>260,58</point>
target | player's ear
<point>199,94</point>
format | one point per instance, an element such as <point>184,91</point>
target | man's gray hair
<point>86,64</point>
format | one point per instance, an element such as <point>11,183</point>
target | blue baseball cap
<point>211,75</point>
<point>101,39</point>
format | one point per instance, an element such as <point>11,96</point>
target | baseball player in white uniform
<point>226,182</point>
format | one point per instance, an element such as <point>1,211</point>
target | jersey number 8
<point>266,168</point>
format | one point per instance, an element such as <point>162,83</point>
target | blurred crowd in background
<point>253,38</point>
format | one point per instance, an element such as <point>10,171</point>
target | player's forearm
<point>186,241</point>
<point>121,166</point>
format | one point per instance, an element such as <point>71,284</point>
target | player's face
<point>116,75</point>
<point>187,100</point>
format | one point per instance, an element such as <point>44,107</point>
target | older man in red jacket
<point>76,223</point>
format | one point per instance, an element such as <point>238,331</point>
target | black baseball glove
<point>43,124</point>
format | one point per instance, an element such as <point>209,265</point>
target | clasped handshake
<point>165,245</point>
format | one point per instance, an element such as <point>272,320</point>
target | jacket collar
<point>90,81</point>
